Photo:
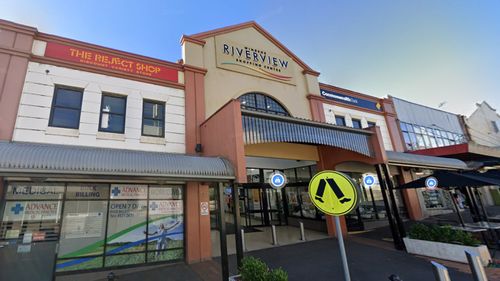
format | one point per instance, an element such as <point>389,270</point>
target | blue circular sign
<point>369,180</point>
<point>431,182</point>
<point>277,180</point>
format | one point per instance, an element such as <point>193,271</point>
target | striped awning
<point>264,128</point>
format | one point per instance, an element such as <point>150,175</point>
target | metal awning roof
<point>33,158</point>
<point>422,161</point>
<point>264,128</point>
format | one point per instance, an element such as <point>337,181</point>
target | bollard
<point>275,238</point>
<point>476,266</point>
<point>302,233</point>
<point>440,272</point>
<point>111,276</point>
<point>243,243</point>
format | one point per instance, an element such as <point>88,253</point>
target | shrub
<point>443,234</point>
<point>253,269</point>
<point>277,275</point>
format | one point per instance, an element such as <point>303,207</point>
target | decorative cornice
<point>8,25</point>
<point>15,52</point>
<point>186,38</point>
<point>311,72</point>
<point>261,30</point>
<point>188,67</point>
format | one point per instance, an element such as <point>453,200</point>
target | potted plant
<point>253,269</point>
<point>443,242</point>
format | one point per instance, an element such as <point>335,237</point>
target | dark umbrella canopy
<point>447,179</point>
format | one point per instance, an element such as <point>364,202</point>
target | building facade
<point>119,159</point>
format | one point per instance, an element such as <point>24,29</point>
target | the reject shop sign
<point>109,61</point>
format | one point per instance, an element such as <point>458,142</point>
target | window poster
<point>126,226</point>
<point>87,192</point>
<point>19,211</point>
<point>37,192</point>
<point>83,225</point>
<point>130,191</point>
<point>165,230</point>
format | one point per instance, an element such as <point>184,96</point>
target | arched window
<point>262,103</point>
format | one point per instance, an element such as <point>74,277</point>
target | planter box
<point>446,251</point>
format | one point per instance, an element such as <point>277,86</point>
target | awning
<point>49,159</point>
<point>264,128</point>
<point>422,161</point>
<point>447,179</point>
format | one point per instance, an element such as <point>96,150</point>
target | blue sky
<point>424,51</point>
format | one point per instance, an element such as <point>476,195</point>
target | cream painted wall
<point>223,85</point>
<point>36,101</point>
<point>481,127</point>
<point>349,114</point>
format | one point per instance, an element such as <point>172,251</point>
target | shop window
<point>262,103</point>
<point>165,233</point>
<point>253,175</point>
<point>112,118</point>
<point>340,120</point>
<point>153,119</point>
<point>356,123</point>
<point>290,175</point>
<point>66,108</point>
<point>303,174</point>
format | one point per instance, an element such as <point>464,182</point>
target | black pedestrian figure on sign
<point>335,188</point>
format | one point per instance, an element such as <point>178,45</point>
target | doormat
<point>230,229</point>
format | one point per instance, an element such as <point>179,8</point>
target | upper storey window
<point>66,108</point>
<point>262,103</point>
<point>113,114</point>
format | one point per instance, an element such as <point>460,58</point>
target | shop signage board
<point>109,61</point>
<point>32,211</point>
<point>131,191</point>
<point>335,194</point>
<point>253,60</point>
<point>277,180</point>
<point>343,98</point>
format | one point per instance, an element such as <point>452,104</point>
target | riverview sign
<point>253,61</point>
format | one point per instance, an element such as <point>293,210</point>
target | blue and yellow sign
<point>334,193</point>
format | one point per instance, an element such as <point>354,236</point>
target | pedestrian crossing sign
<point>334,193</point>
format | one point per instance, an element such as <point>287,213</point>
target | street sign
<point>431,183</point>
<point>369,180</point>
<point>277,180</point>
<point>334,193</point>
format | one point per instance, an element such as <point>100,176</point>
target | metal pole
<point>383,188</point>
<point>440,272</point>
<point>476,266</point>
<point>343,255</point>
<point>456,208</point>
<point>237,224</point>
<point>390,186</point>
<point>302,232</point>
<point>273,232</point>
<point>222,232</point>
<point>243,244</point>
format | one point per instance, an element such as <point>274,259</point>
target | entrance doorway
<point>263,206</point>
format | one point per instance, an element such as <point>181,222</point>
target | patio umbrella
<point>447,179</point>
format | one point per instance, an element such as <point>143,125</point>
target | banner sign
<point>87,192</point>
<point>343,98</point>
<point>166,207</point>
<point>109,61</point>
<point>32,211</point>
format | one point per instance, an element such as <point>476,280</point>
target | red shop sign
<point>109,61</point>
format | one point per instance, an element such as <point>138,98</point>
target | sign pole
<point>343,255</point>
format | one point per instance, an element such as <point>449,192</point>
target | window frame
<point>267,106</point>
<point>124,112</point>
<point>343,120</point>
<point>357,120</point>
<point>144,101</point>
<point>53,105</point>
